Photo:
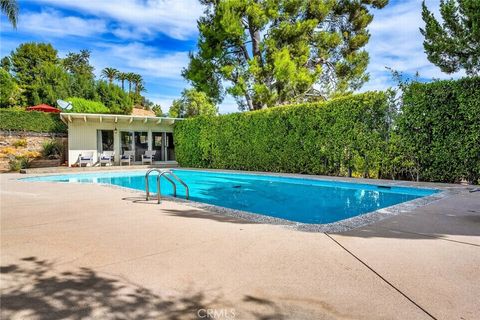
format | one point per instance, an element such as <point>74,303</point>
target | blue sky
<point>153,38</point>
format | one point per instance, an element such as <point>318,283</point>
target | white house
<point>119,133</point>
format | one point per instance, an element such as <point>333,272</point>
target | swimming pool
<point>303,200</point>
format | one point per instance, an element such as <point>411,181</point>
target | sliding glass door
<point>134,141</point>
<point>162,143</point>
<point>141,144</point>
<point>157,145</point>
<point>169,147</point>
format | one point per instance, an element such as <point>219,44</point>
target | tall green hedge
<point>335,137</point>
<point>34,121</point>
<point>440,127</point>
<point>435,136</point>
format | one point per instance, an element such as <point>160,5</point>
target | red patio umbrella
<point>43,108</point>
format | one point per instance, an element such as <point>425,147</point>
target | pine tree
<point>454,44</point>
<point>281,51</point>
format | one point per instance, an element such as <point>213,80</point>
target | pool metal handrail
<point>187,192</point>
<point>165,174</point>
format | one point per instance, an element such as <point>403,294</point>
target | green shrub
<point>52,149</point>
<point>20,120</point>
<point>114,98</point>
<point>20,143</point>
<point>15,164</point>
<point>344,136</point>
<point>18,162</point>
<point>440,126</point>
<point>81,105</point>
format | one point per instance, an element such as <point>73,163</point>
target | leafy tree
<point>9,91</point>
<point>158,110</point>
<point>278,52</point>
<point>455,44</point>
<point>6,64</point>
<point>51,84</point>
<point>10,9</point>
<point>192,103</point>
<point>82,86</point>
<point>114,98</point>
<point>28,58</point>
<point>39,74</point>
<point>110,74</point>
<point>79,63</point>
<point>42,77</point>
<point>82,79</point>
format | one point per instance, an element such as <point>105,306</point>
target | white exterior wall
<point>82,136</point>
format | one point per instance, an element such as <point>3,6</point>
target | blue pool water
<point>295,199</point>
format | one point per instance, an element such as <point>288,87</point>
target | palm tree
<point>110,74</point>
<point>140,88</point>
<point>137,80</point>
<point>122,76</point>
<point>130,78</point>
<point>10,8</point>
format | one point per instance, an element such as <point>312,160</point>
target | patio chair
<point>85,158</point>
<point>106,158</point>
<point>147,157</point>
<point>127,157</point>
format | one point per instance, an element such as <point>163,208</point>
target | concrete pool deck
<point>89,251</point>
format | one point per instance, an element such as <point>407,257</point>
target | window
<point>141,144</point>
<point>105,140</point>
<point>126,141</point>
<point>157,145</point>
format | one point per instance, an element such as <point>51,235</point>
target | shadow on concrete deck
<point>438,221</point>
<point>34,289</point>
<point>191,213</point>
<point>201,214</point>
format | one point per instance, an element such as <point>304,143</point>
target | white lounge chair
<point>85,158</point>
<point>127,157</point>
<point>106,158</point>
<point>147,157</point>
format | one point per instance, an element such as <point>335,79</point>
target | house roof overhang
<point>96,117</point>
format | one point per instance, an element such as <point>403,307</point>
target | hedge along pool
<point>309,201</point>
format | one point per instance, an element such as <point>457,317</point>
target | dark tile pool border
<point>340,226</point>
<point>445,191</point>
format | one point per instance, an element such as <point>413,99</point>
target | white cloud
<point>174,18</point>
<point>146,60</point>
<point>397,43</point>
<point>165,101</point>
<point>160,70</point>
<point>52,23</point>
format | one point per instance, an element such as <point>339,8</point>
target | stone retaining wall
<point>29,144</point>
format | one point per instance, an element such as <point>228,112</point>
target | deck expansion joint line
<point>382,278</point>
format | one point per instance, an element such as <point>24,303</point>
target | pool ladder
<point>170,176</point>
